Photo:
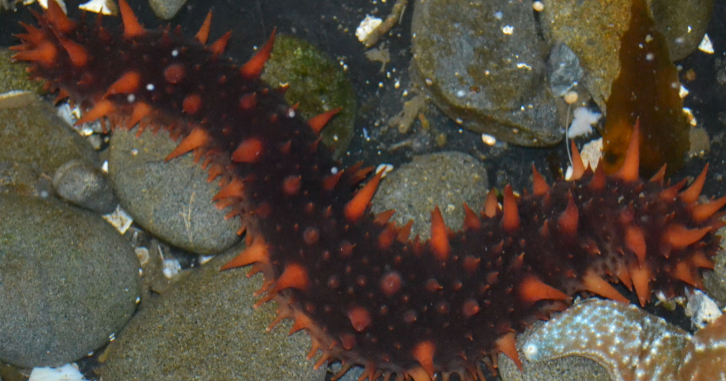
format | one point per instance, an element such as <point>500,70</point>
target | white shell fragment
<point>706,46</point>
<point>119,219</point>
<point>366,27</point>
<point>385,168</point>
<point>104,7</point>
<point>582,122</point>
<point>68,372</point>
<point>44,4</point>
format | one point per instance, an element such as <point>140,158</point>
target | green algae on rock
<point>483,64</point>
<point>317,84</point>
<point>647,91</point>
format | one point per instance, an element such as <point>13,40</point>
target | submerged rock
<point>483,64</point>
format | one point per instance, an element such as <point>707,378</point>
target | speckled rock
<point>172,200</point>
<point>683,23</point>
<point>82,184</point>
<point>593,28</point>
<point>22,179</point>
<point>166,9</point>
<point>317,83</point>
<point>68,281</point>
<point>714,281</point>
<point>483,64</point>
<point>13,76</point>
<point>444,179</point>
<point>205,328</point>
<point>41,139</point>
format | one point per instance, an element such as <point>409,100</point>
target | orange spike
<point>254,66</point>
<point>629,170</point>
<point>702,212</point>
<point>359,174</point>
<point>507,344</point>
<point>218,47</point>
<point>678,236</point>
<point>598,179</point>
<point>635,242</point>
<point>215,170</point>
<point>294,276</point>
<point>383,217</point>
<point>356,207</point>
<point>424,352</point>
<point>60,21</point>
<point>192,103</point>
<point>405,232</point>
<point>569,219</point>
<point>510,221</point>
<point>197,138</point>
<point>126,84</point>
<point>34,35</point>
<point>659,176</point>
<point>594,283</point>
<point>491,206</point>
<point>540,185</point>
<point>257,252</point>
<point>45,54</point>
<point>699,260</point>
<point>319,121</point>
<point>641,280</point>
<point>360,318</point>
<point>386,237</point>
<point>249,151</point>
<point>203,33</point>
<point>302,321</point>
<point>578,167</point>
<point>291,184</point>
<point>235,188</point>
<point>140,111</point>
<point>101,109</point>
<point>691,194</point>
<point>670,193</point>
<point>471,221</point>
<point>622,273</point>
<point>331,181</point>
<point>76,52</point>
<point>532,290</point>
<point>132,28</point>
<point>439,236</point>
<point>683,272</point>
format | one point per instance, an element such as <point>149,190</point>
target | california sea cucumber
<point>364,292</point>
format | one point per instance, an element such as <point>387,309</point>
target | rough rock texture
<point>444,179</point>
<point>41,139</point>
<point>483,64</point>
<point>68,281</point>
<point>205,328</point>
<point>171,200</point>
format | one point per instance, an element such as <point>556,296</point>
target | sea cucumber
<point>364,292</point>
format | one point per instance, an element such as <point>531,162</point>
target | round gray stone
<point>444,179</point>
<point>205,328</point>
<point>68,280</point>
<point>85,185</point>
<point>172,200</point>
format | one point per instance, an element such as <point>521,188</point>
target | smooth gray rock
<point>85,185</point>
<point>35,136</point>
<point>205,329</point>
<point>483,64</point>
<point>68,280</point>
<point>444,179</point>
<point>172,200</point>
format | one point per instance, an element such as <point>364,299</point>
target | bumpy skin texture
<point>364,292</point>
